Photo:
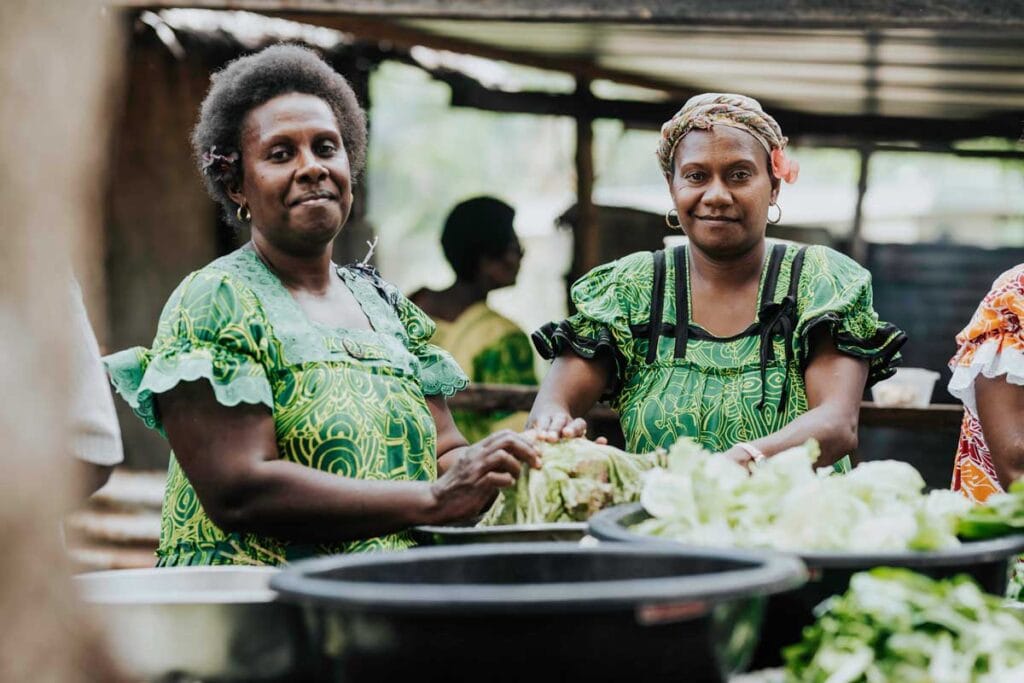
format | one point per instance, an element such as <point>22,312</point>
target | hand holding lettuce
<point>577,478</point>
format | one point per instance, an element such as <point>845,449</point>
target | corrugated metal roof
<point>871,70</point>
<point>895,72</point>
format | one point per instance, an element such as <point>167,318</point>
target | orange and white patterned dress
<point>992,345</point>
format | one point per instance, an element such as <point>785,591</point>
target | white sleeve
<point>992,359</point>
<point>95,434</point>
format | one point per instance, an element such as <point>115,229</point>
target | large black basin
<point>536,612</point>
<point>829,573</point>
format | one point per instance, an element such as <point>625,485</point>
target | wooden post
<point>858,245</point>
<point>586,236</point>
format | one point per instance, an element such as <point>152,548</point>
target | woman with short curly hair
<point>303,401</point>
<point>246,83</point>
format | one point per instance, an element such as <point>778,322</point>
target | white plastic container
<point>908,388</point>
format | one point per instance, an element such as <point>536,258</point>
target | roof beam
<point>956,14</point>
<point>403,36</point>
<point>467,92</point>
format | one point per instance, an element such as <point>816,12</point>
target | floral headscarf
<point>736,111</point>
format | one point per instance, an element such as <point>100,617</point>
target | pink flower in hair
<point>784,168</point>
<point>219,166</point>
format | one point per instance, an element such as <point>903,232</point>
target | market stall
<point>697,558</point>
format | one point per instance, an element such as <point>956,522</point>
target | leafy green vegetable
<point>1001,514</point>
<point>786,504</point>
<point>894,625</point>
<point>577,478</point>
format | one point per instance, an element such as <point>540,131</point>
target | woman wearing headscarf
<point>482,248</point>
<point>988,376</point>
<point>303,401</point>
<point>747,345</point>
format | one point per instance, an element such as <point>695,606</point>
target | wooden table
<point>487,397</point>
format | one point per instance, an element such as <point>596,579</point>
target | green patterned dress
<point>494,351</point>
<point>675,380</point>
<point>345,401</point>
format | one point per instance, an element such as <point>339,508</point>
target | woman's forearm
<point>288,500</point>
<point>835,383</point>
<point>572,386</point>
<point>833,428</point>
<point>1001,414</point>
<point>230,456</point>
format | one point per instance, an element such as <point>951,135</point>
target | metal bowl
<point>830,572</point>
<point>536,611</point>
<point>208,623</point>
<point>454,534</point>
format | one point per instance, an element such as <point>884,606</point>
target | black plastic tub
<point>536,612</point>
<point>829,573</point>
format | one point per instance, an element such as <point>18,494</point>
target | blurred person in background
<point>482,248</point>
<point>95,435</point>
<point>747,345</point>
<point>303,402</point>
<point>988,377</point>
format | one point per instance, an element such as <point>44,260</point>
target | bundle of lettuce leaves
<point>894,625</point>
<point>577,478</point>
<point>1002,513</point>
<point>786,504</point>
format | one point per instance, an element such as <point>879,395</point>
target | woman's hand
<point>740,456</point>
<point>556,425</point>
<point>571,387</point>
<point>476,473</point>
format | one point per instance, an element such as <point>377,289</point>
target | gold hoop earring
<point>248,214</point>
<point>778,217</point>
<point>668,220</point>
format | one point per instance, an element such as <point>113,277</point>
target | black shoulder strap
<point>657,305</point>
<point>780,318</point>
<point>794,272</point>
<point>682,303</point>
<point>771,279</point>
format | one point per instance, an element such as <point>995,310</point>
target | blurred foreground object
<point>52,122</point>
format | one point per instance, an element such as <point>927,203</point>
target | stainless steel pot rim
<point>227,585</point>
<point>608,525</point>
<point>768,574</point>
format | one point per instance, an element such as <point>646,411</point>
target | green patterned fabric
<point>712,390</point>
<point>350,402</point>
<point>508,360</point>
<point>494,350</point>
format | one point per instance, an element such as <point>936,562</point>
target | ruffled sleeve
<point>439,373</point>
<point>992,344</point>
<point>836,292</point>
<point>603,299</point>
<point>210,328</point>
